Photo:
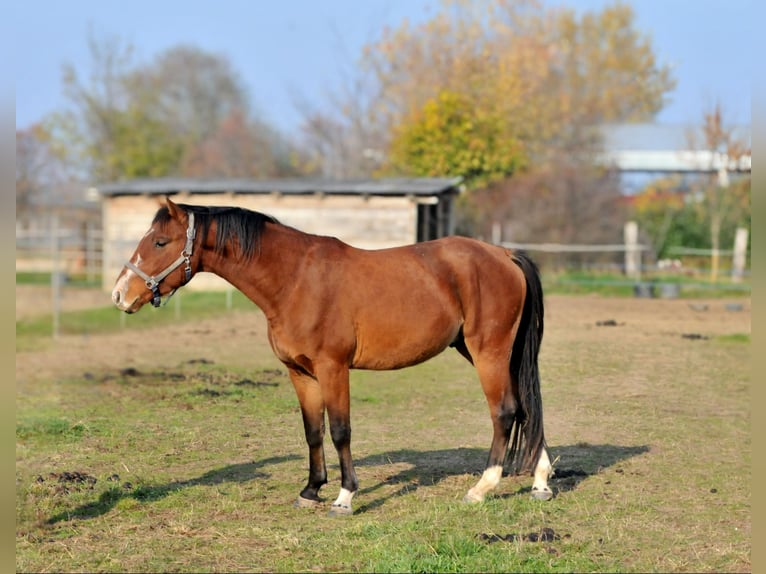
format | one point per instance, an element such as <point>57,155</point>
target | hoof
<point>301,502</point>
<point>338,510</point>
<point>538,494</point>
<point>471,498</point>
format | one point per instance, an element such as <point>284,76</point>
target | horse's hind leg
<point>496,383</point>
<point>312,407</point>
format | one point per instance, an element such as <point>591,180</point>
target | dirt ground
<point>239,338</point>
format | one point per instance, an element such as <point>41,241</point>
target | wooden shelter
<point>370,214</point>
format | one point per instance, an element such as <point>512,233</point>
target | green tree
<point>451,137</point>
<point>661,214</point>
<point>722,203</point>
<point>671,214</point>
<point>142,145</point>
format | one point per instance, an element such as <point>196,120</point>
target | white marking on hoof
<point>472,497</point>
<point>489,480</point>
<point>543,470</point>
<point>342,504</point>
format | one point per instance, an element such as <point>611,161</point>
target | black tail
<point>527,436</point>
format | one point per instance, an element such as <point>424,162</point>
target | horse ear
<point>174,211</point>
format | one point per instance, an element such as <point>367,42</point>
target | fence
<point>56,250</point>
<point>628,257</point>
<point>70,261</point>
<point>75,258</point>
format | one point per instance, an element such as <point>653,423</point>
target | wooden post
<point>632,253</point>
<point>740,255</point>
<point>496,233</point>
<point>90,252</point>
<point>55,275</point>
<point>177,307</point>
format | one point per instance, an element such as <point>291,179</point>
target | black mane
<point>232,223</point>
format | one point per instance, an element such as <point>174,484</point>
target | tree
<point>450,137</point>
<point>659,210</point>
<point>565,203</point>
<point>38,169</point>
<point>723,203</point>
<point>546,76</point>
<point>89,129</point>
<point>496,89</point>
<point>707,213</point>
<point>340,140</point>
<point>170,117</point>
<point>239,148</point>
<point>191,90</point>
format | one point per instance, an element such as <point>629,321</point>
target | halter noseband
<point>153,281</point>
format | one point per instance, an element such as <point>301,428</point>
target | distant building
<point>370,214</point>
<point>643,152</point>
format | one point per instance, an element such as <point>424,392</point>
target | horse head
<point>161,263</point>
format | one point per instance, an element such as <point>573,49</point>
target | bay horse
<point>331,307</point>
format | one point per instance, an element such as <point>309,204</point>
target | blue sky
<point>299,49</point>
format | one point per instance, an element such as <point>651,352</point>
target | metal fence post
<point>55,275</point>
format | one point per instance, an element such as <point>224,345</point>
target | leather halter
<point>153,281</point>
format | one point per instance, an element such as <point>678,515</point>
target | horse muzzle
<point>122,301</point>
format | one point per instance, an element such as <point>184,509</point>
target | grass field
<point>178,446</point>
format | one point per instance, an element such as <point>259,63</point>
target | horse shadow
<point>572,464</point>
<point>234,473</point>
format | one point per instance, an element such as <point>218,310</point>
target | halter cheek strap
<point>153,281</point>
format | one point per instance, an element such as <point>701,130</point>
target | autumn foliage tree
<point>543,77</point>
<point>492,89</point>
<point>238,147</point>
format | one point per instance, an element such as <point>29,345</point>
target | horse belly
<point>401,340</point>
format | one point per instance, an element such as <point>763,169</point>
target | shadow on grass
<point>573,464</point>
<point>425,468</point>
<point>242,472</point>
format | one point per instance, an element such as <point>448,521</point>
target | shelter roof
<point>423,186</point>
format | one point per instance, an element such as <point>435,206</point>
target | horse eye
<point>161,243</point>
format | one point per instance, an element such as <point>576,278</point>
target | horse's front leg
<point>312,407</point>
<point>334,381</point>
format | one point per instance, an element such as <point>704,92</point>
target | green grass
<point>44,278</point>
<point>51,427</point>
<point>735,338</point>
<point>652,443</point>
<point>617,285</point>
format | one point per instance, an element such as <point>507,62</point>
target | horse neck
<point>264,278</point>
